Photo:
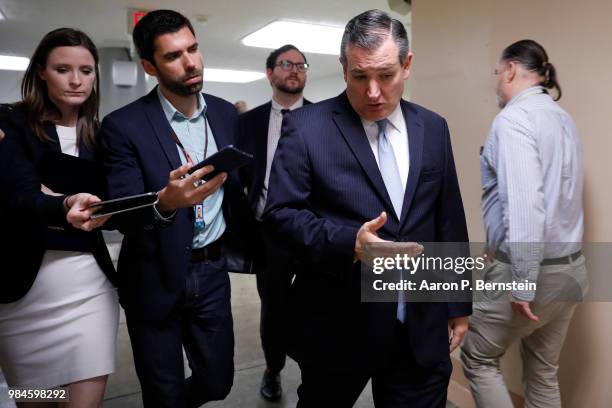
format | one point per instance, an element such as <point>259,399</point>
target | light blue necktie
<point>393,182</point>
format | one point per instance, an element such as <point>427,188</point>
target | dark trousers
<point>400,384</point>
<point>273,284</point>
<point>202,325</point>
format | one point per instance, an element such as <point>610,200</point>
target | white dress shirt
<point>67,136</point>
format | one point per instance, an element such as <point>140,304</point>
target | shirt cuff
<point>525,272</point>
<point>524,295</point>
<point>160,220</point>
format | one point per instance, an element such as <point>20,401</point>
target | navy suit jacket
<point>139,154</point>
<point>324,185</point>
<point>28,212</point>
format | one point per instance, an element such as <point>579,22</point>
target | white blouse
<point>67,138</point>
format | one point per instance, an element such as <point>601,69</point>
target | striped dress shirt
<point>532,176</point>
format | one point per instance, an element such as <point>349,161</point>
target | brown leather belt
<point>211,252</point>
<point>564,260</point>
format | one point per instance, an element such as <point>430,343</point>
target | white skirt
<point>64,329</point>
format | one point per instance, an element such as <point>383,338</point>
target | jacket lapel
<point>54,143</point>
<point>87,152</point>
<point>162,128</point>
<point>416,129</point>
<point>223,133</point>
<point>350,127</point>
<point>215,119</point>
<point>261,144</point>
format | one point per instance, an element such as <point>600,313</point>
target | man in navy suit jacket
<point>329,197</point>
<point>260,129</point>
<point>173,280</point>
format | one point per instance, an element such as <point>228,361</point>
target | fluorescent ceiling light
<point>11,63</point>
<point>231,75</point>
<point>315,38</point>
<point>2,17</point>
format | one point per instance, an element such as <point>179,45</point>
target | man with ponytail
<point>532,207</point>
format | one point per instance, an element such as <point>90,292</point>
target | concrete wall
<point>456,45</point>
<point>10,81</point>
<point>112,96</point>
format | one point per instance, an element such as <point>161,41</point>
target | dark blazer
<point>324,185</point>
<point>253,138</point>
<point>139,153</point>
<point>28,214</point>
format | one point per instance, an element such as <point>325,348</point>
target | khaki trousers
<point>494,327</point>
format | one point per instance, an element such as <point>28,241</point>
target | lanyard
<point>180,145</point>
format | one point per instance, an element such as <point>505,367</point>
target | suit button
<point>187,249</point>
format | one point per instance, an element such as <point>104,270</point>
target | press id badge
<point>199,216</point>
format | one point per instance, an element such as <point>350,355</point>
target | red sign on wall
<point>137,15</point>
<point>134,16</point>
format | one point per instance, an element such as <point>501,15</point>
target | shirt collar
<point>533,90</point>
<point>278,107</point>
<point>395,118</point>
<point>172,113</point>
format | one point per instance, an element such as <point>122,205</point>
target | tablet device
<point>225,160</point>
<point>66,174</point>
<point>124,204</point>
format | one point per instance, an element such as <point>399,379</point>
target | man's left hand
<point>524,309</point>
<point>457,328</point>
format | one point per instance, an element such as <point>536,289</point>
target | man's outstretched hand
<point>367,235</point>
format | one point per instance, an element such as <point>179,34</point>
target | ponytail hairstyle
<point>533,57</point>
<point>35,97</point>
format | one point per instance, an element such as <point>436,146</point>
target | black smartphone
<point>224,161</point>
<point>123,204</point>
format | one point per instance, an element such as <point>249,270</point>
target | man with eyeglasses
<point>260,130</point>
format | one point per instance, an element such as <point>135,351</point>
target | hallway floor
<point>124,391</point>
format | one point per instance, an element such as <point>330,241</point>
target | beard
<point>293,90</point>
<point>179,87</point>
<point>290,90</point>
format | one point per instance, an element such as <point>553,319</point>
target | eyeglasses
<point>287,65</point>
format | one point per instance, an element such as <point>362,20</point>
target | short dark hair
<point>370,29</point>
<point>271,60</point>
<point>154,24</point>
<point>533,57</point>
